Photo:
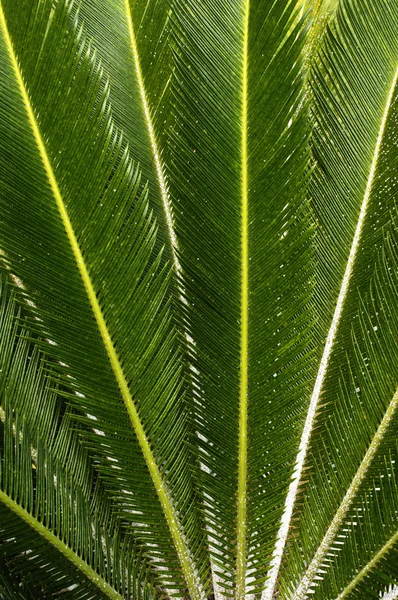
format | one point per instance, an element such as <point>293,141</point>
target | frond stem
<point>244,338</point>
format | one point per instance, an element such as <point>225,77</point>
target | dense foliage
<point>198,299</point>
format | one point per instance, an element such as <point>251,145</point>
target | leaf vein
<point>152,138</point>
<point>244,338</point>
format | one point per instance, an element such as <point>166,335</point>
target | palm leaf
<point>132,40</point>
<point>318,14</point>
<point>285,250</point>
<point>245,243</point>
<point>72,219</point>
<point>356,156</point>
<point>366,516</point>
<point>53,535</point>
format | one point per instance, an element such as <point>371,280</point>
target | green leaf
<point>204,404</point>
<point>132,41</point>
<point>355,95</point>
<point>51,530</point>
<point>240,156</point>
<point>72,206</point>
<point>320,14</point>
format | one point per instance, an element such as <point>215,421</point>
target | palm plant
<point>198,299</point>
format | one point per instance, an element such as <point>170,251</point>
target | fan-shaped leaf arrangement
<point>198,299</point>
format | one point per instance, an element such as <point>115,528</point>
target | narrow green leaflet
<point>320,14</point>
<point>10,587</point>
<point>70,204</point>
<point>353,409</point>
<point>245,245</point>
<point>357,551</point>
<point>366,561</point>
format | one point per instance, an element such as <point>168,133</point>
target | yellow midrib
<point>59,545</point>
<point>159,485</point>
<point>244,336</point>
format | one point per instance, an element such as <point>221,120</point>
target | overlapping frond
<point>273,270</point>
<point>320,14</point>
<point>363,559</point>
<point>70,204</point>
<point>354,195</point>
<point>132,39</point>
<point>54,536</point>
<point>361,535</point>
<point>240,155</point>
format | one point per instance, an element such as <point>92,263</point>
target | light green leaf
<point>353,404</point>
<point>132,40</point>
<point>52,531</point>
<point>319,13</point>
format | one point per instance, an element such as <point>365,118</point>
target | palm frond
<point>371,506</point>
<point>132,41</point>
<point>72,206</point>
<point>245,243</point>
<point>53,536</point>
<point>198,356</point>
<point>366,562</point>
<point>355,112</point>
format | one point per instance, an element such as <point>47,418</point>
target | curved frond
<point>373,531</point>
<point>72,207</point>
<point>367,515</point>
